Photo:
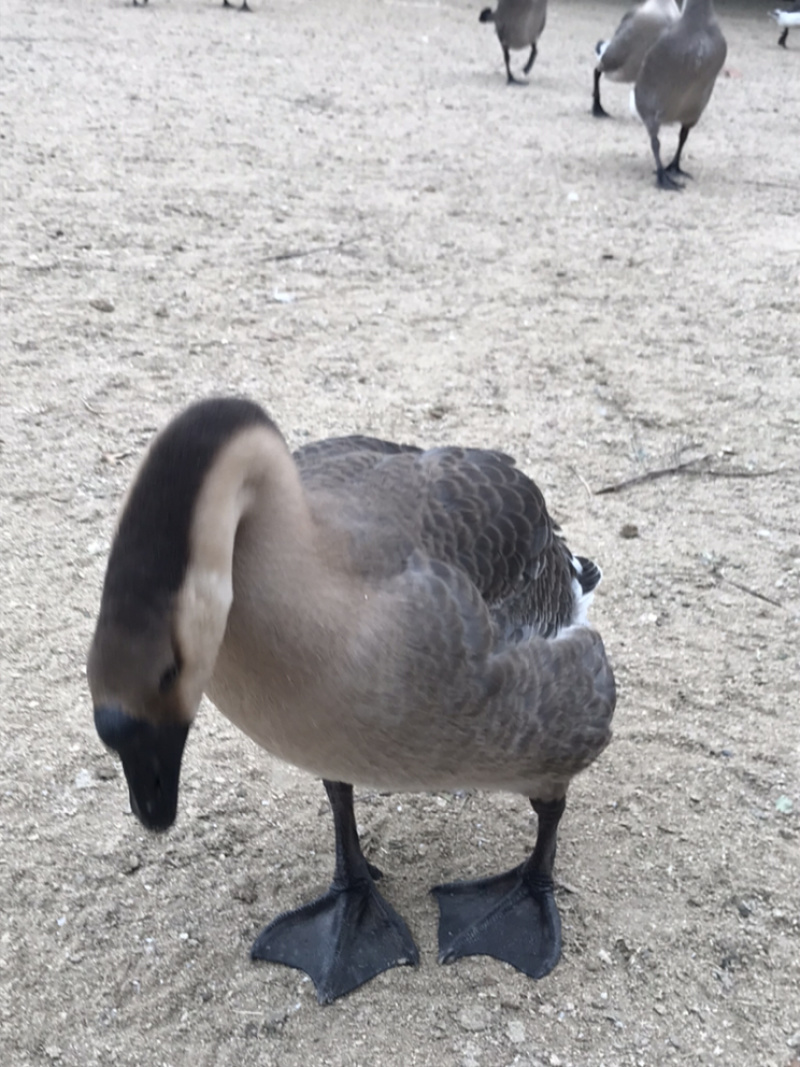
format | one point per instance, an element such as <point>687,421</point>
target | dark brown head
<point>165,601</point>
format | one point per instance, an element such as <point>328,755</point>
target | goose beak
<point>151,759</point>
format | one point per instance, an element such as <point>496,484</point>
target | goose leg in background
<point>349,934</point>
<point>783,36</point>
<point>675,166</point>
<point>527,68</point>
<point>512,916</point>
<point>598,110</point>
<point>663,179</point>
<point>511,79</point>
<point>244,7</point>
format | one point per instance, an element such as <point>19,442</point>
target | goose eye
<point>168,678</point>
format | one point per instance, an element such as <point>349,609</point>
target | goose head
<point>167,594</point>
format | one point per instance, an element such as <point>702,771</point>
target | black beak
<point>151,759</point>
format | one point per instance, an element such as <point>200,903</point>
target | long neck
<point>291,596</point>
<point>696,12</point>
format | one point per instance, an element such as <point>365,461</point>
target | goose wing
<point>472,509</point>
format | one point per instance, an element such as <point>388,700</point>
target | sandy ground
<point>341,210</point>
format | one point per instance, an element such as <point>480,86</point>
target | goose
<point>677,78</point>
<point>786,18</point>
<point>372,613</point>
<point>225,3</point>
<point>620,59</point>
<point>518,24</point>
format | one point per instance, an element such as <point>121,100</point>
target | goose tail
<point>599,48</point>
<point>586,577</point>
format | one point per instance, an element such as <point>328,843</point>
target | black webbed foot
<point>783,36</point>
<point>512,917</point>
<point>599,111</point>
<point>349,934</point>
<point>664,180</point>
<point>340,940</point>
<point>674,169</point>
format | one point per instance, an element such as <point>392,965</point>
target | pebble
<point>101,304</point>
<point>83,779</point>
<point>131,863</point>
<point>474,1018</point>
<point>516,1032</point>
<point>245,889</point>
<point>629,531</point>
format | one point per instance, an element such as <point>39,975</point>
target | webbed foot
<point>512,916</point>
<point>664,180</point>
<point>674,168</point>
<point>340,940</point>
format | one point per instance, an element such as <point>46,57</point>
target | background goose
<point>620,59</point>
<point>519,24</point>
<point>677,78</point>
<point>786,18</point>
<point>372,613</point>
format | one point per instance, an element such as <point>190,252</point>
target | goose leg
<point>598,110</point>
<point>663,179</point>
<point>783,36</point>
<point>511,80</point>
<point>675,166</point>
<point>527,68</point>
<point>349,934</point>
<point>512,916</point>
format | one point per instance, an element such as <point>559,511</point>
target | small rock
<point>53,1052</point>
<point>245,889</point>
<point>604,957</point>
<point>131,863</point>
<point>107,772</point>
<point>794,1040</point>
<point>555,1061</point>
<point>83,779</point>
<point>784,805</point>
<point>516,1032</point>
<point>101,304</point>
<point>474,1018</point>
<point>629,531</point>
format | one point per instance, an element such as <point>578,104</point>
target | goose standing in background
<point>786,18</point>
<point>369,612</point>
<point>620,59</point>
<point>519,24</point>
<point>677,78</point>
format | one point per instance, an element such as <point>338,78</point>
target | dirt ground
<point>341,210</point>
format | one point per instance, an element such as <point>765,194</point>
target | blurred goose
<point>620,59</point>
<point>677,78</point>
<point>786,18</point>
<point>225,3</point>
<point>369,612</point>
<point>519,24</point>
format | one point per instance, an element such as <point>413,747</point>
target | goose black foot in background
<point>513,916</point>
<point>349,934</point>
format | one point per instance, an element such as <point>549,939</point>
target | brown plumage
<point>677,78</point>
<point>368,611</point>
<point>519,24</point>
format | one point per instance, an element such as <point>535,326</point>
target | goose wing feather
<point>470,508</point>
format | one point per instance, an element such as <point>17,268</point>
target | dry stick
<point>747,589</point>
<point>690,467</point>
<point>311,251</point>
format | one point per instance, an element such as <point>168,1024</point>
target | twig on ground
<point>746,589</point>
<point>278,257</point>
<point>692,467</point>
